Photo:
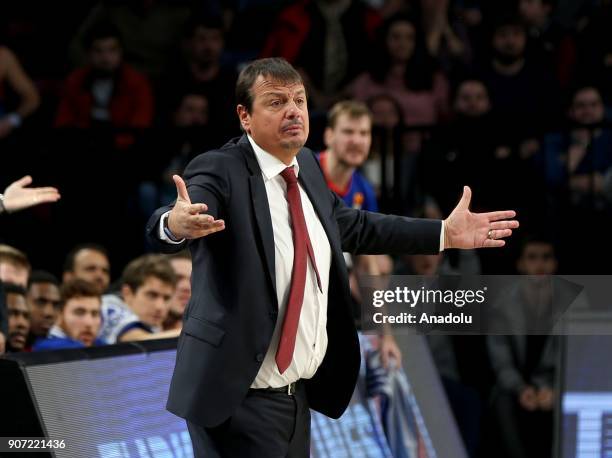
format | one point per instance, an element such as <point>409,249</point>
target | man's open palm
<point>186,220</point>
<point>464,229</point>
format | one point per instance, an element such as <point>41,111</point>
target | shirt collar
<point>270,165</point>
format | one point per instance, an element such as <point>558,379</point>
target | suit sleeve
<point>364,232</point>
<point>207,182</point>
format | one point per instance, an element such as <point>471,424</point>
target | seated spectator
<point>402,67</point>
<point>79,319</point>
<point>326,41</point>
<point>580,157</point>
<point>446,36</point>
<point>203,72</point>
<point>547,40</point>
<point>17,197</point>
<point>181,263</point>
<point>150,29</point>
<point>107,91</point>
<point>147,286</point>
<point>14,78</point>
<point>89,262</point>
<point>524,363</point>
<point>522,89</point>
<point>43,296</point>
<point>14,266</point>
<point>18,318</point>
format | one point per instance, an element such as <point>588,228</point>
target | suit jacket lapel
<point>261,208</point>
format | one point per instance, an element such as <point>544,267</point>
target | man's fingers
<point>196,209</point>
<point>499,215</point>
<point>181,188</point>
<point>504,224</point>
<point>488,243</point>
<point>24,181</point>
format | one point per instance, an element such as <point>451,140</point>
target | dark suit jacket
<point>230,319</point>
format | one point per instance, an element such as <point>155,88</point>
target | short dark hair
<point>204,22</point>
<point>71,256</point>
<point>42,276</point>
<point>100,31</point>
<point>275,68</point>
<point>352,108</point>
<point>77,288</point>
<point>12,288</point>
<point>149,265</point>
<point>535,238</point>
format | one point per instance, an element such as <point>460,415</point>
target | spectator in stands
<point>14,266</point>
<point>446,36</point>
<point>522,90</point>
<point>88,262</point>
<point>79,319</point>
<point>14,79</point>
<point>203,72</point>
<point>150,29</point>
<point>547,40</point>
<point>181,263</point>
<point>524,362</point>
<point>402,66</point>
<point>43,296</point>
<point>580,157</point>
<point>189,132</point>
<point>326,40</point>
<point>17,197</point>
<point>148,284</point>
<point>107,91</point>
<point>18,317</point>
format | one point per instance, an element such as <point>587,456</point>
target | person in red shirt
<point>107,91</point>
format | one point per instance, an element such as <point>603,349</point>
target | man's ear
<point>244,117</point>
<point>127,294</point>
<point>67,276</point>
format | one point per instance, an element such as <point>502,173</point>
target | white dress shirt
<point>311,339</point>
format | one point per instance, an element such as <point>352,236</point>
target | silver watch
<point>2,206</point>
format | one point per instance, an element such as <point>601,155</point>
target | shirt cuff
<point>162,233</point>
<point>441,236</point>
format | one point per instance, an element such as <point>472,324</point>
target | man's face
<point>93,267</point>
<point>534,12</point>
<point>425,264</point>
<point>401,41</point>
<point>206,45</point>
<point>193,111</point>
<point>18,321</point>
<point>350,139</point>
<point>105,55</point>
<point>538,259</point>
<point>472,99</point>
<point>182,294</point>
<point>278,121</point>
<point>385,114</point>
<point>12,273</point>
<point>587,107</point>
<point>44,299</point>
<point>151,301</point>
<point>81,319</point>
<point>509,42</point>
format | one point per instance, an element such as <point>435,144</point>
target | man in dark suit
<point>269,332</point>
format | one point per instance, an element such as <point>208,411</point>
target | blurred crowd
<point>105,101</point>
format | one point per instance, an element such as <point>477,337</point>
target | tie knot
<point>289,175</point>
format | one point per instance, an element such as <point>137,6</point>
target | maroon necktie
<point>302,249</point>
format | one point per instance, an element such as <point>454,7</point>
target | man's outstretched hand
<point>18,196</point>
<point>186,220</point>
<point>464,229</point>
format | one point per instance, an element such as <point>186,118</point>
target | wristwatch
<point>167,230</point>
<point>2,206</point>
